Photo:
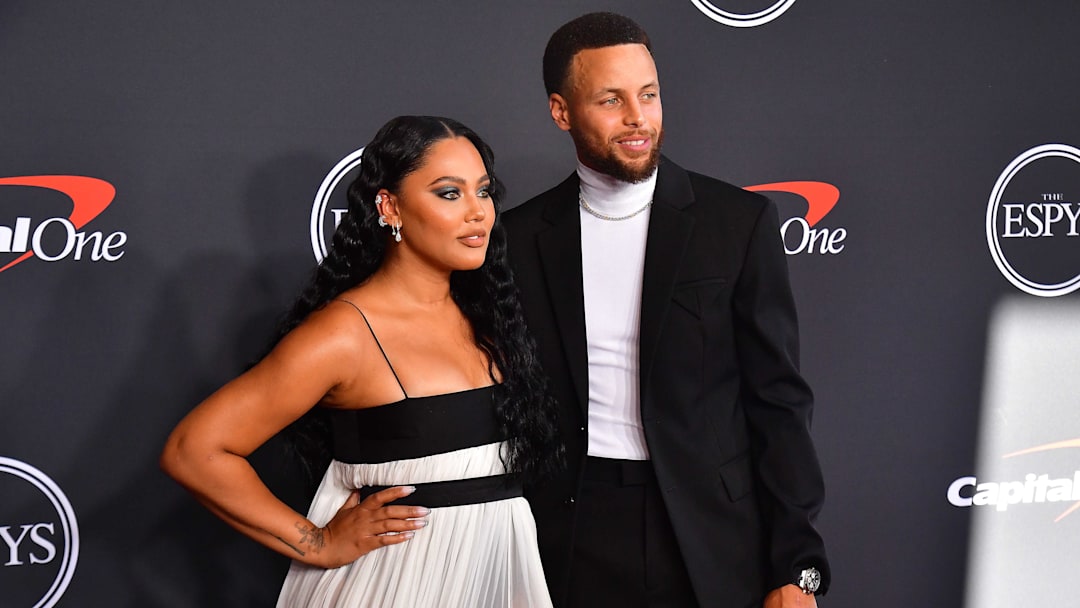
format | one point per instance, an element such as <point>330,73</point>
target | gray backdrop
<point>216,123</point>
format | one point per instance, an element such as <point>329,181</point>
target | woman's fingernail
<point>421,511</point>
<point>407,534</point>
<point>409,489</point>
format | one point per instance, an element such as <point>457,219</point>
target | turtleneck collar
<point>611,196</point>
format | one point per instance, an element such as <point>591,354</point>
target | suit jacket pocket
<point>737,475</point>
<point>696,294</point>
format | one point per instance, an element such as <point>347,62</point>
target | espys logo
<point>50,235</point>
<point>1034,489</point>
<point>743,17</point>
<point>801,234</point>
<point>1033,221</point>
<point>40,534</point>
<point>323,224</point>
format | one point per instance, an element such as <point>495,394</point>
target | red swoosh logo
<point>89,197</point>
<point>820,197</point>
<point>1057,445</point>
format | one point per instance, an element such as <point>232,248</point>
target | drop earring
<point>396,231</point>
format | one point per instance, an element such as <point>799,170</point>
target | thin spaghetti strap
<point>377,343</point>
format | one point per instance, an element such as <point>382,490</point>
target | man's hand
<point>789,596</point>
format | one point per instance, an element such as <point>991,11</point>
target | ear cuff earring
<point>395,229</point>
<point>382,218</point>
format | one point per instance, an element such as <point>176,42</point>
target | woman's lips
<point>474,240</point>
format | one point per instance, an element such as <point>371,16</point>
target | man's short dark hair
<point>591,31</point>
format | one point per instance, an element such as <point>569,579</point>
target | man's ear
<point>560,111</point>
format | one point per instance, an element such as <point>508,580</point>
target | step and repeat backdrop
<point>170,174</point>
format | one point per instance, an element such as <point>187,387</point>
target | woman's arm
<point>207,451</point>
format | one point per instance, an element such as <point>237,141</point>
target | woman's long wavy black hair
<point>486,296</point>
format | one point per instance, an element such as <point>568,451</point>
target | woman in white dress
<point>406,372</point>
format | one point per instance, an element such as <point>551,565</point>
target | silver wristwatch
<point>809,580</point>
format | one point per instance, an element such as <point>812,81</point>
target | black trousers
<point>625,552</point>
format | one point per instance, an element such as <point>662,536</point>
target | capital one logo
<point>803,234</point>
<point>1033,489</point>
<point>743,17</point>
<point>39,537</point>
<point>1033,221</point>
<point>53,235</point>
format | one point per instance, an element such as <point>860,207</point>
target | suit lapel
<point>560,251</point>
<point>669,232</point>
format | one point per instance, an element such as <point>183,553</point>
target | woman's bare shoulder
<point>337,325</point>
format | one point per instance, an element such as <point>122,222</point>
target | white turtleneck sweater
<point>612,263</point>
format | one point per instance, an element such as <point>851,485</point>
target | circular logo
<point>330,205</point>
<point>743,19</point>
<point>39,537</point>
<point>1033,221</point>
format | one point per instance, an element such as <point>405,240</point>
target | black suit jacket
<point>725,410</point>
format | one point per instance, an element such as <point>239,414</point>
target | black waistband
<point>622,472</point>
<point>455,492</point>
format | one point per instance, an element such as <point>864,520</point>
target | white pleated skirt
<point>470,556</point>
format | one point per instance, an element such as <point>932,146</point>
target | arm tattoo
<point>314,537</point>
<point>291,546</point>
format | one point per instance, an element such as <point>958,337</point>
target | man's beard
<point>599,157</point>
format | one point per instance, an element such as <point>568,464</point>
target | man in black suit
<point>660,302</point>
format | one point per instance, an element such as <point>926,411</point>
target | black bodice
<point>415,427</point>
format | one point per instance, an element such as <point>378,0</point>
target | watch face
<point>810,580</point>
